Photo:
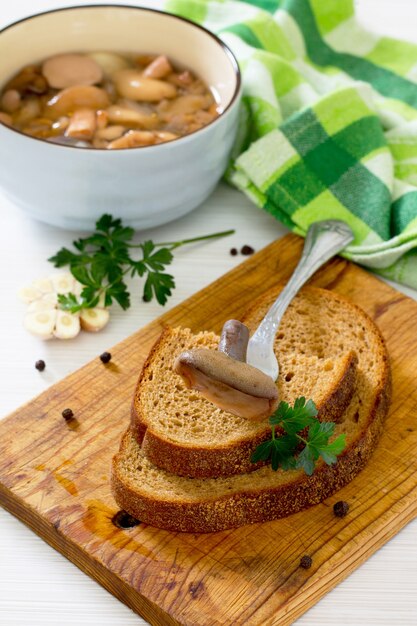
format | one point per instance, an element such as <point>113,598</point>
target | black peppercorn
<point>123,520</point>
<point>233,251</point>
<point>40,365</point>
<point>67,414</point>
<point>306,562</point>
<point>105,357</point>
<point>247,250</point>
<point>341,508</point>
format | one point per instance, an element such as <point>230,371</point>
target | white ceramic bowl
<point>71,187</point>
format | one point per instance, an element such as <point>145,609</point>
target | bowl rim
<point>228,53</point>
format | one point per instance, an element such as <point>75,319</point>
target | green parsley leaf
<point>288,462</point>
<point>262,452</point>
<point>83,276</point>
<point>106,222</point>
<point>330,452</point>
<point>68,302</point>
<point>317,445</point>
<point>158,285</point>
<point>307,460</point>
<point>63,257</point>
<point>119,292</point>
<point>102,260</point>
<point>301,415</point>
<point>283,451</point>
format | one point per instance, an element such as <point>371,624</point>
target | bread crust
<point>137,423</point>
<point>233,458</point>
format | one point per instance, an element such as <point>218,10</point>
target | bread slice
<point>201,505</point>
<point>186,434</point>
<point>177,503</point>
<point>316,347</point>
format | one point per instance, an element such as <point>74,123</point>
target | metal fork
<point>323,241</point>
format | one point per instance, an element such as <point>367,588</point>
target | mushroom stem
<point>234,340</point>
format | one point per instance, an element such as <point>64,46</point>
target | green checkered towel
<point>329,122</point>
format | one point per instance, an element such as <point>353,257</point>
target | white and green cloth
<point>329,122</point>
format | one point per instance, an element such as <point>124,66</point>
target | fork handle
<point>323,241</point>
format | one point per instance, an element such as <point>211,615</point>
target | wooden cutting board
<point>54,475</point>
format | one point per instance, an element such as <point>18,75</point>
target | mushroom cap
<point>236,374</point>
<point>66,70</point>
<point>232,385</point>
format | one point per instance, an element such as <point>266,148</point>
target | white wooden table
<point>38,586</point>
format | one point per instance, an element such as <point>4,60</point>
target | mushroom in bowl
<point>56,164</point>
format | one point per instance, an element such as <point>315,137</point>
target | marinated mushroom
<point>232,385</point>
<point>109,133</point>
<point>158,68</point>
<point>5,118</point>
<point>82,124</point>
<point>133,139</point>
<point>67,70</point>
<point>106,100</point>
<point>224,377</point>
<point>134,85</point>
<point>131,118</point>
<point>11,100</point>
<point>29,110</point>
<point>110,62</point>
<point>77,97</point>
<point>29,79</point>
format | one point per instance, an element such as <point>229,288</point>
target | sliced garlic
<point>42,304</point>
<point>45,319</point>
<point>63,282</point>
<point>43,284</point>
<point>52,298</point>
<point>41,323</point>
<point>93,320</point>
<point>67,325</point>
<point>29,294</point>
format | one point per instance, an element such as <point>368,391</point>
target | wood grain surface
<point>54,475</point>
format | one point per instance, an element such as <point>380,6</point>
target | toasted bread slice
<point>321,338</point>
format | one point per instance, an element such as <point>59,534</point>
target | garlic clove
<point>41,323</point>
<point>93,320</point>
<point>67,325</point>
<point>43,284</point>
<point>51,298</point>
<point>29,294</point>
<point>41,305</point>
<point>63,282</point>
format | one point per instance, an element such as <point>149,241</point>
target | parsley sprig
<point>101,261</point>
<point>283,450</point>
